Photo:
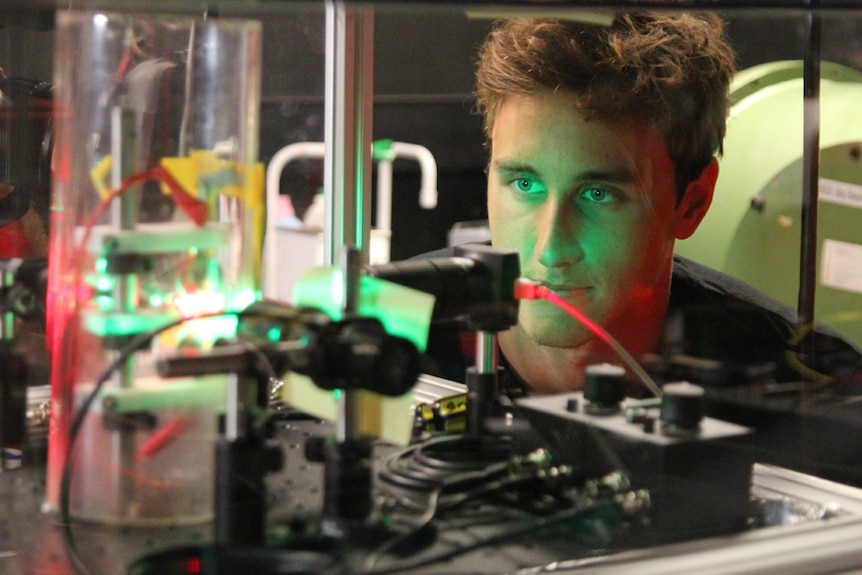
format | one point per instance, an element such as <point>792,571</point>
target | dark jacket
<point>718,330</point>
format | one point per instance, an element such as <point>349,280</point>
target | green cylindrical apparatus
<point>752,230</point>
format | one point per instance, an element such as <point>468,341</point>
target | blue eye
<point>597,195</point>
<point>527,186</point>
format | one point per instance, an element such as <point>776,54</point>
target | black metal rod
<point>810,184</point>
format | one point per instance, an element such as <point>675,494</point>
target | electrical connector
<point>528,289</point>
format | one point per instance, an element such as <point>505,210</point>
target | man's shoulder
<point>725,318</point>
<point>693,281</point>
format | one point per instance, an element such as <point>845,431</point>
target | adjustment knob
<point>682,407</point>
<point>603,388</point>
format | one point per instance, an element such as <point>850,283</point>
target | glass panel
<point>613,484</point>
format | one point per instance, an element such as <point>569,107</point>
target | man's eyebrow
<point>511,167</point>
<point>613,175</point>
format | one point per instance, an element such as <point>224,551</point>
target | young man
<point>602,154</point>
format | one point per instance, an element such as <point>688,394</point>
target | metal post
<point>123,217</point>
<point>349,104</point>
<point>810,187</point>
<point>487,358</point>
<point>347,423</point>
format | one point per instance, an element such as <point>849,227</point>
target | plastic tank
<point>157,215</point>
<point>752,230</point>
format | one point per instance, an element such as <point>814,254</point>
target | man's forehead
<point>573,105</point>
<point>550,124</point>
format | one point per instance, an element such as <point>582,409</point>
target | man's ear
<point>696,201</point>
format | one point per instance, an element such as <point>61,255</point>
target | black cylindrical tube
<point>448,279</point>
<point>240,494</point>
<point>481,393</point>
<point>347,486</point>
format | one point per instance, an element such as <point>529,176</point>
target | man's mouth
<point>563,289</point>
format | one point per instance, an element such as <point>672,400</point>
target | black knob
<point>603,388</point>
<point>273,458</point>
<point>682,407</point>
<point>315,448</point>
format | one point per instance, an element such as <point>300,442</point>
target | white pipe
<point>384,194</point>
<point>299,150</point>
<point>428,191</point>
<point>316,150</point>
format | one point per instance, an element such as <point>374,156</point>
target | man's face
<point>590,207</point>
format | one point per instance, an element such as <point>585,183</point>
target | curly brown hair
<point>669,71</point>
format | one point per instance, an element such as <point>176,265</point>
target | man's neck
<point>550,370</point>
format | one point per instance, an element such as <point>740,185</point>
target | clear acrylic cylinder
<point>156,220</point>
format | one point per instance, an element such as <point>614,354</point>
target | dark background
<point>423,70</point>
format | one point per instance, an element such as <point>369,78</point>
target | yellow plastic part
<point>99,177</point>
<point>389,418</point>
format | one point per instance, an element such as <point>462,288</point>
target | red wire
<point>194,208</point>
<point>162,437</point>
<point>547,294</point>
<point>527,289</point>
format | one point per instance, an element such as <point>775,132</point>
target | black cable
<point>436,503</point>
<point>535,525</point>
<point>430,512</point>
<point>479,480</point>
<point>420,479</point>
<point>441,462</point>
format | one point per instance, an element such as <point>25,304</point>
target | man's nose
<point>557,235</point>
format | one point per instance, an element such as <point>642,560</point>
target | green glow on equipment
<point>403,311</point>
<point>242,299</point>
<point>126,324</point>
<point>105,283</point>
<point>105,303</point>
<point>206,331</point>
<point>274,334</point>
